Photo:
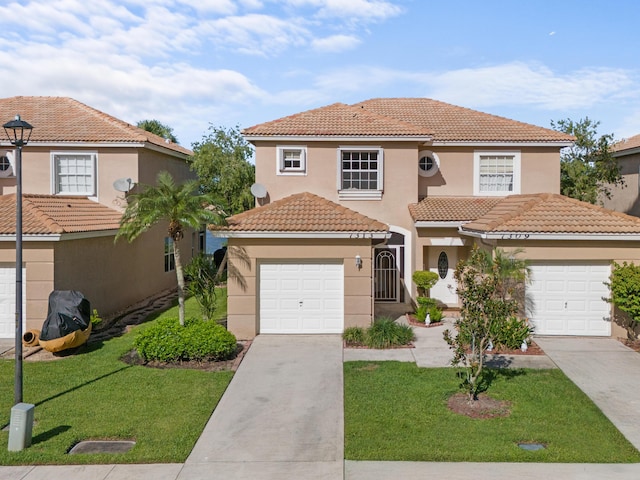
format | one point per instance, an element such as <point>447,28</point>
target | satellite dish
<point>123,184</point>
<point>258,190</point>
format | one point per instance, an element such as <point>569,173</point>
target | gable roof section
<point>301,215</point>
<point>434,210</point>
<point>552,216</point>
<point>63,120</point>
<point>458,124</point>
<point>420,119</point>
<point>56,215</point>
<point>627,146</point>
<point>338,120</point>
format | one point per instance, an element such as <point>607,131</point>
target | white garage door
<point>568,298</point>
<point>301,298</point>
<point>8,301</point>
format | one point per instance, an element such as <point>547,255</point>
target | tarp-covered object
<point>68,322</point>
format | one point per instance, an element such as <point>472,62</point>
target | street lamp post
<point>19,132</point>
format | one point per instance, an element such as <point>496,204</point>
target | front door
<point>387,274</point>
<point>442,260</point>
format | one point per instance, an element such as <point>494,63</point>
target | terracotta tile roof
<point>550,213</point>
<point>338,120</point>
<point>49,214</point>
<point>626,144</point>
<point>406,117</point>
<point>302,212</point>
<point>453,123</point>
<point>65,120</point>
<point>452,209</point>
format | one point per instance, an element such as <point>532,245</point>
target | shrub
<point>354,336</point>
<point>424,280</point>
<point>168,341</point>
<point>385,333</point>
<point>511,333</point>
<point>201,273</point>
<point>95,318</point>
<point>430,306</point>
<point>435,314</point>
<point>625,289</point>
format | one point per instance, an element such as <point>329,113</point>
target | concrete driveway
<point>607,371</point>
<point>281,416</point>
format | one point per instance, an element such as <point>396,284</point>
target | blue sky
<point>192,63</point>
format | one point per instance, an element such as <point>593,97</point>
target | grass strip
<point>396,411</point>
<point>94,395</point>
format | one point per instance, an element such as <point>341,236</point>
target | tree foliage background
<point>221,160</point>
<point>588,169</point>
<point>158,128</point>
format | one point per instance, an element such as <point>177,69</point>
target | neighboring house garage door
<point>568,298</point>
<point>301,298</point>
<point>8,301</point>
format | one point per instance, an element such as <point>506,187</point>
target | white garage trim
<point>566,298</point>
<point>8,300</point>
<point>301,297</point>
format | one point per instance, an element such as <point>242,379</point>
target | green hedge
<point>168,341</point>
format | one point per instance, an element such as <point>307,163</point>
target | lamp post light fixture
<point>19,132</point>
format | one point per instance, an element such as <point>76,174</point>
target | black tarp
<point>68,311</point>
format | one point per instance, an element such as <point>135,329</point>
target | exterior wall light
<point>358,262</point>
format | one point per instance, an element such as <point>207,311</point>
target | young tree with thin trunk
<point>488,284</point>
<point>179,206</point>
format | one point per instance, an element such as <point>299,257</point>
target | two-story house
<point>76,170</point>
<point>352,199</point>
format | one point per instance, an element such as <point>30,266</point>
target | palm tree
<point>177,205</point>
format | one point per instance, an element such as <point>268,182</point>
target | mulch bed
<point>483,407</point>
<point>533,349</point>
<point>415,323</point>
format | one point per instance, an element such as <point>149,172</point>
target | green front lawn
<point>397,411</point>
<point>94,395</point>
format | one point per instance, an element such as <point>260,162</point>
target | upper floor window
<point>360,173</point>
<point>496,173</point>
<point>292,160</point>
<point>74,173</point>
<point>428,163</point>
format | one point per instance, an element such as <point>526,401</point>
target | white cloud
<point>335,43</point>
<point>255,34</point>
<point>524,84</point>
<point>349,10</point>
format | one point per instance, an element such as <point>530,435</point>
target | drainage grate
<point>102,446</point>
<point>532,447</point>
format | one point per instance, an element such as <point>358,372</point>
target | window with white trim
<point>169,255</point>
<point>496,173</point>
<point>360,173</point>
<point>292,160</point>
<point>74,173</point>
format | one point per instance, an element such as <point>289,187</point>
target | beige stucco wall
<point>243,279</point>
<point>626,198</point>
<point>39,261</point>
<point>540,172</point>
<point>141,165</point>
<point>115,276</point>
